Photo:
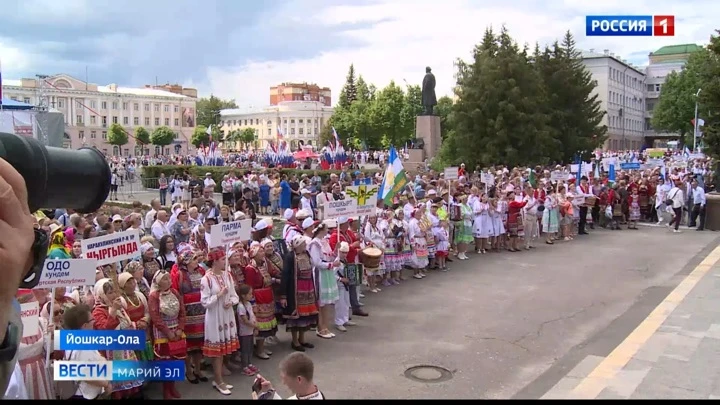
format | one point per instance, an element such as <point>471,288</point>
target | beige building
<point>621,92</point>
<point>300,92</point>
<point>300,121</point>
<point>90,109</point>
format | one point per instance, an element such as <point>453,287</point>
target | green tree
<point>162,136</point>
<point>709,103</point>
<point>247,137</point>
<point>200,136</point>
<point>348,93</point>
<point>386,114</point>
<point>572,107</point>
<point>208,110</point>
<point>499,117</point>
<point>443,109</point>
<point>675,109</point>
<point>142,136</point>
<point>117,135</point>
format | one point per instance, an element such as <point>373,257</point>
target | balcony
<point>652,94</point>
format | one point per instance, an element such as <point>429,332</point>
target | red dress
<point>260,280</point>
<point>514,225</point>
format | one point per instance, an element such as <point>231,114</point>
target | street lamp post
<point>695,123</point>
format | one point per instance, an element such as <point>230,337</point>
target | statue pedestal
<point>712,212</point>
<point>427,128</point>
<point>415,160</point>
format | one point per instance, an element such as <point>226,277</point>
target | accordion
<point>455,213</point>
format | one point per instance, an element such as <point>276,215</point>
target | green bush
<point>150,173</point>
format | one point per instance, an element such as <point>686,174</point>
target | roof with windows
<point>677,49</point>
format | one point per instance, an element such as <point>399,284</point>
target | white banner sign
<point>365,197</point>
<point>112,248</point>
<point>452,173</point>
<point>30,315</point>
<point>487,178</point>
<point>558,176</point>
<point>227,233</point>
<point>341,208</point>
<point>68,273</point>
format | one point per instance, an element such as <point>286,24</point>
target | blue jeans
<point>274,206</point>
<point>163,196</point>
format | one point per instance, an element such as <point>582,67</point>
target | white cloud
<point>422,33</point>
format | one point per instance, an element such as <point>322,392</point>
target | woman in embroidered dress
<point>426,224</point>
<point>150,265</point>
<point>416,234</point>
<point>197,238</point>
<point>109,314</point>
<point>634,208</point>
<point>136,307</point>
<point>407,250</point>
<point>237,261</point>
<point>394,237</point>
<point>434,220</point>
<point>550,219</point>
<point>299,296</point>
<point>168,322</point>
<point>274,263</point>
<point>260,280</point>
<point>185,277</point>
<point>374,237</point>
<point>31,357</point>
<point>463,228</point>
<point>482,223</point>
<point>324,261</point>
<point>218,295</point>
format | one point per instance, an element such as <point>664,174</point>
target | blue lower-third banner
<point>122,370</point>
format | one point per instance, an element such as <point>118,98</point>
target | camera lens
<point>58,177</point>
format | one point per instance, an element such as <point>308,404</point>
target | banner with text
<point>340,208</point>
<point>68,273</point>
<point>30,315</point>
<point>365,198</point>
<point>112,248</point>
<point>227,233</point>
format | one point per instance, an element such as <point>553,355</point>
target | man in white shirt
<point>209,184</point>
<point>306,202</point>
<point>150,216</point>
<point>530,219</point>
<point>159,227</point>
<point>677,199</point>
<point>322,199</point>
<point>699,201</point>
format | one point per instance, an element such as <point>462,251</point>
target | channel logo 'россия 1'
<point>630,25</point>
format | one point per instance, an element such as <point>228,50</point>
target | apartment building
<point>300,92</point>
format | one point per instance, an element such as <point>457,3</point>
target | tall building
<point>620,89</point>
<point>89,110</point>
<point>300,121</point>
<point>663,61</point>
<point>300,92</point>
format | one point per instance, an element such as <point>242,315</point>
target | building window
<point>245,122</point>
<point>176,108</point>
<point>103,105</point>
<point>136,121</point>
<point>81,135</point>
<point>177,135</point>
<point>26,100</point>
<point>115,120</point>
<point>285,122</point>
<point>234,122</point>
<point>147,121</point>
<point>93,120</point>
<point>300,131</point>
<point>157,107</point>
<point>126,120</point>
<point>114,105</point>
<point>147,107</point>
<point>167,122</point>
<point>157,122</point>
<point>93,104</point>
<point>93,135</point>
<point>257,121</point>
<point>316,131</point>
<point>136,106</point>
<point>127,152</point>
<point>124,106</point>
<point>292,131</point>
<point>269,123</point>
<point>78,119</point>
<point>292,121</point>
<point>104,135</point>
<point>177,122</point>
<point>270,131</point>
<point>300,121</point>
<point>166,108</point>
<point>104,121</point>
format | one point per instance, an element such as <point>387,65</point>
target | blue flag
<point>611,174</point>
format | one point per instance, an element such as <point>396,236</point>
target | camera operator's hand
<point>16,227</point>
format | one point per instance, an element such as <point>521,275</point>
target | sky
<point>239,49</point>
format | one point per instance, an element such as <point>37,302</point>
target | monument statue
<point>428,92</point>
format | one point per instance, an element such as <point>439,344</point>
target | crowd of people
<point>226,306</point>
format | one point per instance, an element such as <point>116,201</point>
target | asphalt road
<point>505,324</point>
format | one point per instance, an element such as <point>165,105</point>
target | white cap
<point>262,224</point>
<point>305,191</point>
<point>342,220</point>
<point>432,192</point>
<point>239,216</point>
<point>302,214</point>
<point>307,223</point>
<point>330,223</point>
<point>288,214</point>
<point>117,218</point>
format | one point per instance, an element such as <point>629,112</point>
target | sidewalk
<point>672,354</point>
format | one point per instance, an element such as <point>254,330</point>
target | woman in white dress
<point>416,234</point>
<point>374,237</point>
<point>482,223</point>
<point>186,192</point>
<point>324,261</point>
<point>176,187</point>
<point>218,295</point>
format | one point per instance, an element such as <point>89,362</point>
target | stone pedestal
<point>415,160</point>
<point>428,129</point>
<point>712,211</point>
